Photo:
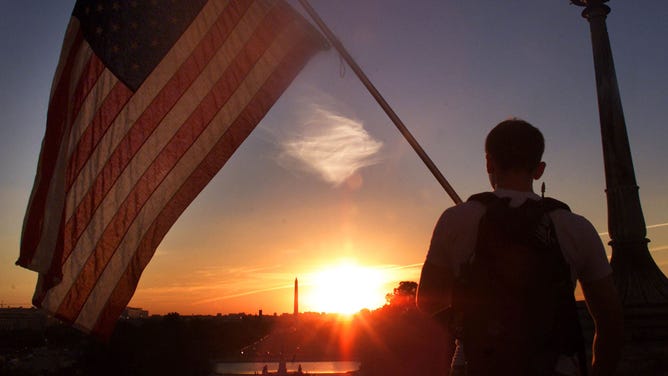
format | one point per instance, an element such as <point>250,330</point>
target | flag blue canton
<point>132,37</point>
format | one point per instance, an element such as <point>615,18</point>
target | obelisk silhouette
<point>296,311</point>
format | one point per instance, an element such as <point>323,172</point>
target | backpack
<point>513,303</point>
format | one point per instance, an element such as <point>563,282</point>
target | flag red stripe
<point>149,120</point>
<point>262,38</point>
<point>88,79</point>
<point>214,161</point>
<point>56,130</point>
<point>89,75</point>
<point>54,298</point>
<point>104,117</point>
<point>113,104</point>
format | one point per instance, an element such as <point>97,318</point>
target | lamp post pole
<point>637,277</point>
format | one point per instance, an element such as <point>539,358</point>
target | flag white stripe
<point>94,100</point>
<point>165,130</point>
<point>160,137</point>
<point>177,177</point>
<point>140,102</point>
<point>103,215</point>
<point>81,60</point>
<point>50,229</point>
<point>153,146</point>
<point>43,254</point>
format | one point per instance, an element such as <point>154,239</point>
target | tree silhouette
<point>401,340</point>
<point>403,296</point>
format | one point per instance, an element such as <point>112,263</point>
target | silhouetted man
<point>514,149</point>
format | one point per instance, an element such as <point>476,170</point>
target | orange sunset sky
<point>325,189</point>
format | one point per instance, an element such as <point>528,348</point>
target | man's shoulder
<point>561,210</point>
<point>561,215</point>
<point>574,221</point>
<point>464,209</point>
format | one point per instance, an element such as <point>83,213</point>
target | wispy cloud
<point>243,293</point>
<point>232,282</point>
<point>657,225</point>
<point>647,227</point>
<point>659,249</point>
<point>409,266</point>
<point>330,145</point>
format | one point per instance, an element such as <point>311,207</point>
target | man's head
<point>514,150</point>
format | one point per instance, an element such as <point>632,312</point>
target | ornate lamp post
<point>636,275</point>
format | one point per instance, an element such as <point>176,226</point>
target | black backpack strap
<point>485,198</point>
<point>488,198</point>
<point>550,204</point>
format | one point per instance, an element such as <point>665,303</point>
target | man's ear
<point>538,172</point>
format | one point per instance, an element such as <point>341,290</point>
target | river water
<point>251,368</point>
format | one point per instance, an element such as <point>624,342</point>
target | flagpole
<point>381,101</point>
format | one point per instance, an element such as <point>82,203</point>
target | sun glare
<point>346,289</point>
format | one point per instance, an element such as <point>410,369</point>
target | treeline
<point>398,340</point>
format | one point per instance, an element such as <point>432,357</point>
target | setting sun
<point>345,288</point>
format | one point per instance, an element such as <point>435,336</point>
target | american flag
<point>149,100</point>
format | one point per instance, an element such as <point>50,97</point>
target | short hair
<point>515,144</point>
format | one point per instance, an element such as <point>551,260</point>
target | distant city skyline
<point>325,189</point>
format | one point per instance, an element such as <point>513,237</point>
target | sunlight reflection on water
<point>251,368</point>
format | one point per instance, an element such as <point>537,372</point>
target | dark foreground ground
<point>391,341</point>
<point>388,342</point>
